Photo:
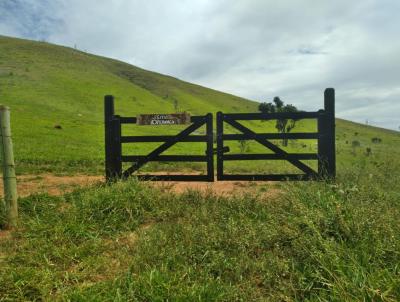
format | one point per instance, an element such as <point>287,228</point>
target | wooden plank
<point>220,145</point>
<point>292,156</point>
<point>266,177</point>
<point>271,116</point>
<point>165,158</point>
<point>8,168</point>
<point>329,103</point>
<point>163,119</point>
<point>210,148</point>
<point>161,138</point>
<point>326,144</point>
<point>149,177</point>
<point>133,120</point>
<point>117,152</point>
<point>303,135</point>
<point>112,128</point>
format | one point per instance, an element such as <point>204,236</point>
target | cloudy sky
<point>252,48</point>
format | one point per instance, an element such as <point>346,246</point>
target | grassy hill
<point>314,241</point>
<point>47,85</point>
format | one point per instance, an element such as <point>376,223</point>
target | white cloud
<point>253,48</point>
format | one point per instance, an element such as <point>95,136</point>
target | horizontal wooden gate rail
<point>114,141</point>
<point>325,136</point>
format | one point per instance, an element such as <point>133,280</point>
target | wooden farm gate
<point>325,136</point>
<point>114,141</point>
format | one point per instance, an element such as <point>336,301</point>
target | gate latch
<point>224,150</point>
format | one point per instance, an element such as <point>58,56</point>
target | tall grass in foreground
<point>129,242</point>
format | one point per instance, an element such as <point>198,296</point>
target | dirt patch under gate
<point>58,185</point>
<point>51,184</point>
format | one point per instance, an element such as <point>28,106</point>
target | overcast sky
<point>257,49</point>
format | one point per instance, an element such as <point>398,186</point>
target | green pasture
<point>313,241</point>
<point>47,85</point>
<point>316,241</point>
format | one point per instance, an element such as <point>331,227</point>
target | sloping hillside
<point>291,241</point>
<point>47,85</point>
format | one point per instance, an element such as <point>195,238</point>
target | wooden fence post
<point>326,143</point>
<point>9,178</point>
<point>220,146</point>
<point>117,147</point>
<point>210,147</point>
<point>112,129</point>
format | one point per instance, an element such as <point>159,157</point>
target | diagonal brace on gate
<point>156,152</point>
<point>286,156</point>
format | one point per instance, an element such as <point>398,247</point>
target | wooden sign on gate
<point>163,119</point>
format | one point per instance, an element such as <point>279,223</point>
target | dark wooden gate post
<point>220,145</point>
<point>112,125</point>
<point>326,142</point>
<point>210,147</point>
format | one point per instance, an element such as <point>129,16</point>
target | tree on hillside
<point>282,125</point>
<point>278,103</point>
<point>266,107</point>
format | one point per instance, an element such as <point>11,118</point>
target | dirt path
<point>223,188</point>
<point>58,185</point>
<point>51,184</point>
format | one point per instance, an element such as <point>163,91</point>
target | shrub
<point>354,145</point>
<point>376,140</point>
